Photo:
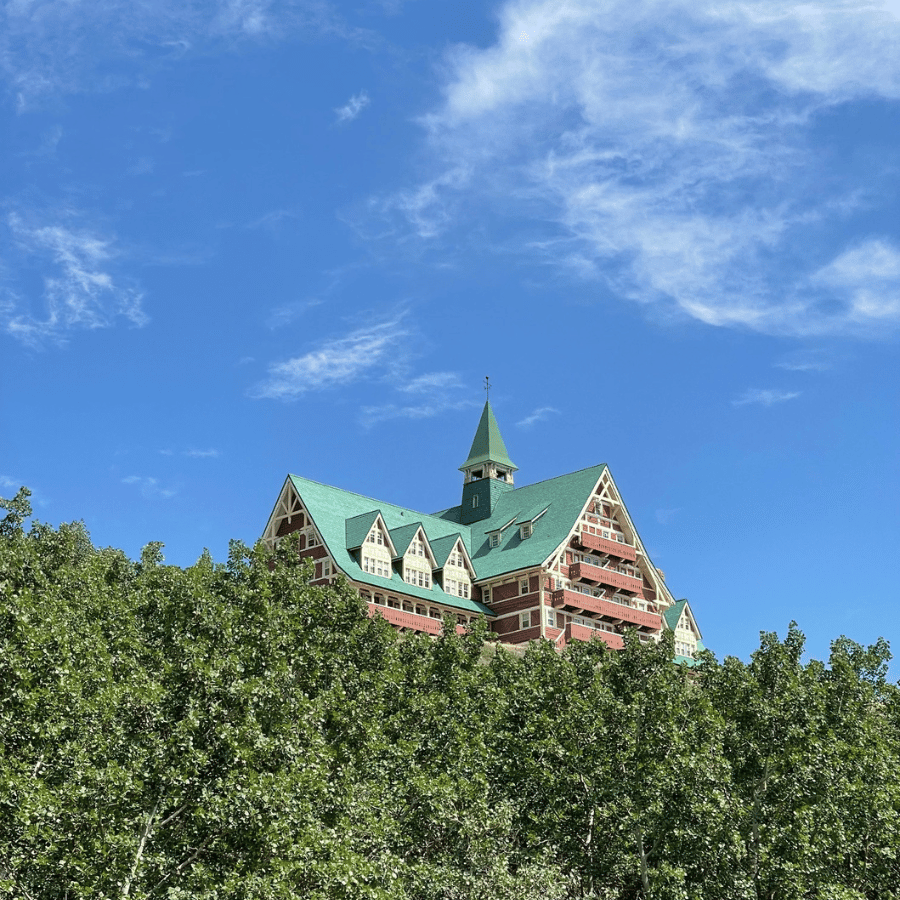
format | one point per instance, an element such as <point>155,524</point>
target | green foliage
<point>231,731</point>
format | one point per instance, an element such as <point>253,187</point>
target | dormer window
<point>494,539</point>
<point>525,530</point>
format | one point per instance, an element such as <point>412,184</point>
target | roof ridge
<point>522,487</point>
<point>380,503</point>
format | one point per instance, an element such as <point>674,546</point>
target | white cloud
<point>764,397</point>
<point>150,488</point>
<point>667,516</point>
<point>352,108</point>
<point>436,393</point>
<point>667,150</point>
<point>805,361</point>
<point>336,362</point>
<point>79,288</point>
<point>373,415</point>
<point>541,413</point>
<point>867,278</point>
<point>431,382</point>
<point>7,483</point>
<point>63,46</point>
<point>209,453</point>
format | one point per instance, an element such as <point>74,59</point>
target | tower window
<point>475,501</point>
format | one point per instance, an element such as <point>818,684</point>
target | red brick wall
<point>505,591</point>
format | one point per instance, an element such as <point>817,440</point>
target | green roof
<point>568,493</point>
<point>488,445</point>
<point>402,536</point>
<point>358,528</point>
<point>673,614</point>
<point>442,547</point>
<point>330,508</point>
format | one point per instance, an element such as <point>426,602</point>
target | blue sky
<point>246,238</point>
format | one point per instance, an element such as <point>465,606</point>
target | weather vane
<point>487,385</point>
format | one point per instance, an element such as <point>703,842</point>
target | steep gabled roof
<point>443,546</point>
<point>402,537</point>
<point>673,613</point>
<point>563,498</point>
<point>331,507</point>
<point>357,529</point>
<point>488,445</point>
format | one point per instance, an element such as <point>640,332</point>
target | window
<point>525,620</point>
<point>475,501</point>
<point>326,568</point>
<point>525,530</point>
<point>551,618</point>
<point>494,540</point>
<point>523,586</point>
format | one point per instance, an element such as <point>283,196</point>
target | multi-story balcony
<point>609,609</point>
<point>604,545</point>
<point>586,572</point>
<point>576,632</point>
<point>413,621</point>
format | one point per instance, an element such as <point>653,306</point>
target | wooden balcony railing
<point>605,545</point>
<point>412,621</point>
<point>599,575</point>
<point>618,612</point>
<point>576,632</point>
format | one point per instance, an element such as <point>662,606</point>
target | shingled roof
<point>487,445</point>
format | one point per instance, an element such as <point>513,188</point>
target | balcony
<point>414,622</point>
<point>604,545</point>
<point>609,609</point>
<point>586,572</point>
<point>576,632</point>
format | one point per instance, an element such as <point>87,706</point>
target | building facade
<point>558,560</point>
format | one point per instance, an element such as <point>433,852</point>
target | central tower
<point>487,472</point>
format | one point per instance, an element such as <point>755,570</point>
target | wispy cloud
<point>431,382</point>
<point>673,157</point>
<point>150,488</point>
<point>373,415</point>
<point>8,484</point>
<point>805,361</point>
<point>336,362</point>
<point>80,289</point>
<point>437,393</point>
<point>764,397</point>
<point>667,516</point>
<point>352,108</point>
<point>192,453</point>
<point>867,279</point>
<point>60,46</point>
<point>538,415</point>
<point>274,220</point>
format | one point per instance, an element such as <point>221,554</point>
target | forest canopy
<point>228,730</point>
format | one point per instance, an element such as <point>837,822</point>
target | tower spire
<point>488,457</point>
<point>488,470</point>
